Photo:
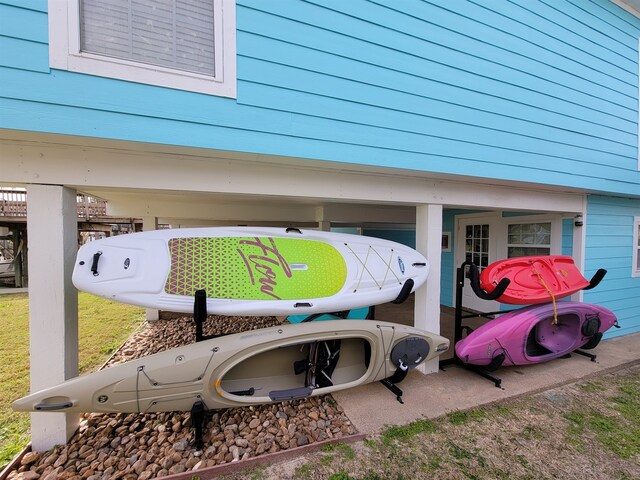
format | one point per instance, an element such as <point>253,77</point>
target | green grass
<point>405,432</point>
<point>617,427</point>
<point>345,450</point>
<point>304,471</point>
<point>459,417</point>
<point>103,326</point>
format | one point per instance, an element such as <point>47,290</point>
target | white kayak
<point>261,366</point>
<point>249,271</point>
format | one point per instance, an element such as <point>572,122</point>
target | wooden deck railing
<point>13,203</point>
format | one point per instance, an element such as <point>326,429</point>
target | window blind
<point>170,33</point>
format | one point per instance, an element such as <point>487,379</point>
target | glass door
<point>475,245</point>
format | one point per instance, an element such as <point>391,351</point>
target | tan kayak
<point>261,366</point>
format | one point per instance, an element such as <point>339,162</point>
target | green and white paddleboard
<point>249,271</point>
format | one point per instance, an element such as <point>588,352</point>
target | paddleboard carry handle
<point>293,229</point>
<point>94,263</point>
<point>596,279</point>
<point>44,407</point>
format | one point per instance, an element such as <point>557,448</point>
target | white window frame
<point>556,231</point>
<point>635,271</point>
<point>526,221</point>
<point>65,54</point>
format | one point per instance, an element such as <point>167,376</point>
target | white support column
<point>324,225</point>
<point>52,226</point>
<point>427,301</point>
<point>150,223</point>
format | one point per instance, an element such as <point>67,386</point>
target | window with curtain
<point>170,33</point>
<point>529,239</point>
<point>182,44</point>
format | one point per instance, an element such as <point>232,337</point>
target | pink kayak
<point>529,335</point>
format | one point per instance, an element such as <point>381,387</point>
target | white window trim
<point>635,271</point>
<point>65,54</point>
<point>555,248</point>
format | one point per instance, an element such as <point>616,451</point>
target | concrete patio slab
<point>372,407</point>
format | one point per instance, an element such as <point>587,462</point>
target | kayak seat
<point>560,337</point>
<point>533,348</point>
<point>320,363</point>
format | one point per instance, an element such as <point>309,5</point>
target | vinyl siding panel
<point>22,55</point>
<point>567,237</point>
<point>536,91</point>
<point>23,39</point>
<point>23,23</point>
<point>610,245</point>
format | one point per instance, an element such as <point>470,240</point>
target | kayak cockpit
<point>552,338</point>
<point>295,371</point>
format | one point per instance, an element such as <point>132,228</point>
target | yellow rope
<point>553,298</point>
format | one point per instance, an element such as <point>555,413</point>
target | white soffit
<point>108,166</point>
<point>631,6</point>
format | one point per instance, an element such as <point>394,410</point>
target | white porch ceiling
<point>187,183</point>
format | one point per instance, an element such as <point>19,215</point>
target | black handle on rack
<point>596,279</point>
<point>474,278</point>
<point>405,291</point>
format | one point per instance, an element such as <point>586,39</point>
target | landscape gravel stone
<point>151,445</point>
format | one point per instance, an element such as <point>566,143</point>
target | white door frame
<point>493,220</point>
<point>498,228</point>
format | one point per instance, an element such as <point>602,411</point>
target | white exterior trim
<point>631,6</point>
<point>427,297</point>
<point>65,54</point>
<point>635,271</point>
<point>99,171</point>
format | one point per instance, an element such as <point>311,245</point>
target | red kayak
<point>536,279</point>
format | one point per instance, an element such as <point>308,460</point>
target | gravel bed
<point>143,446</point>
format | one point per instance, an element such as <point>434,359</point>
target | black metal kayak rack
<point>459,328</point>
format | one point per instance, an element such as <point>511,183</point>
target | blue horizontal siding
<point>327,96</point>
<point>35,5</point>
<point>609,245</point>
<point>567,237</point>
<point>24,38</point>
<point>23,55</point>
<point>567,43</point>
<point>534,91</point>
<point>23,23</point>
<point>434,96</point>
<point>399,52</point>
